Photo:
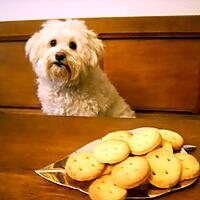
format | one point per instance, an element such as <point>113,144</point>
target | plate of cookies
<point>142,163</point>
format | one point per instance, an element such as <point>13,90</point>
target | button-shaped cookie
<point>104,189</point>
<point>165,168</point>
<point>144,141</point>
<point>83,167</point>
<point>111,151</point>
<point>131,172</point>
<point>190,166</point>
<point>172,137</point>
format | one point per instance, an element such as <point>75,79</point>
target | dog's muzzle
<point>61,61</point>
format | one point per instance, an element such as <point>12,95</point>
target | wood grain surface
<point>30,142</point>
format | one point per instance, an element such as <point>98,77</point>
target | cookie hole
<point>157,156</point>
<point>80,169</point>
<point>87,157</point>
<point>168,159</point>
<point>98,187</point>
<point>122,167</point>
<point>127,174</point>
<point>110,191</point>
<point>166,172</point>
<point>103,181</point>
<point>136,169</point>
<point>93,165</point>
<point>115,148</point>
<point>154,173</point>
<point>75,160</point>
<point>130,163</point>
<point>187,168</point>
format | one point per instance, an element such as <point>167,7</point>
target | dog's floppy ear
<point>96,45</point>
<point>33,47</point>
<point>30,43</point>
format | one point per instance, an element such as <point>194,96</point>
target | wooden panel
<point>155,74</point>
<point>159,26</point>
<point>17,80</point>
<point>28,111</point>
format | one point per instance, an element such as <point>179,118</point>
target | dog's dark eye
<point>72,45</point>
<point>53,43</point>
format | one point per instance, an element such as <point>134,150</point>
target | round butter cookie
<point>144,141</point>
<point>83,167</point>
<point>131,172</point>
<point>104,189</point>
<point>117,135</point>
<point>172,137</point>
<point>190,166</point>
<point>111,151</point>
<point>165,168</point>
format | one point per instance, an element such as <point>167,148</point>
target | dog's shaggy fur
<point>66,57</point>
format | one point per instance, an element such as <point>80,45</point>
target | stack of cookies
<point>123,160</point>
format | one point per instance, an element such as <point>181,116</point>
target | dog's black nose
<point>60,56</point>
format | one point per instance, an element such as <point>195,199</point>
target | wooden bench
<point>153,61</point>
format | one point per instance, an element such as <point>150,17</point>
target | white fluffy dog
<point>66,58</point>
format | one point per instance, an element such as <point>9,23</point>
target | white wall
<point>45,9</point>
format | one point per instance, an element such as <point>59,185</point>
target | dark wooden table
<point>29,142</point>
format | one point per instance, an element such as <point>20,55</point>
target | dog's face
<point>64,50</point>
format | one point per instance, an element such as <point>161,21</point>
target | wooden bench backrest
<point>153,61</point>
